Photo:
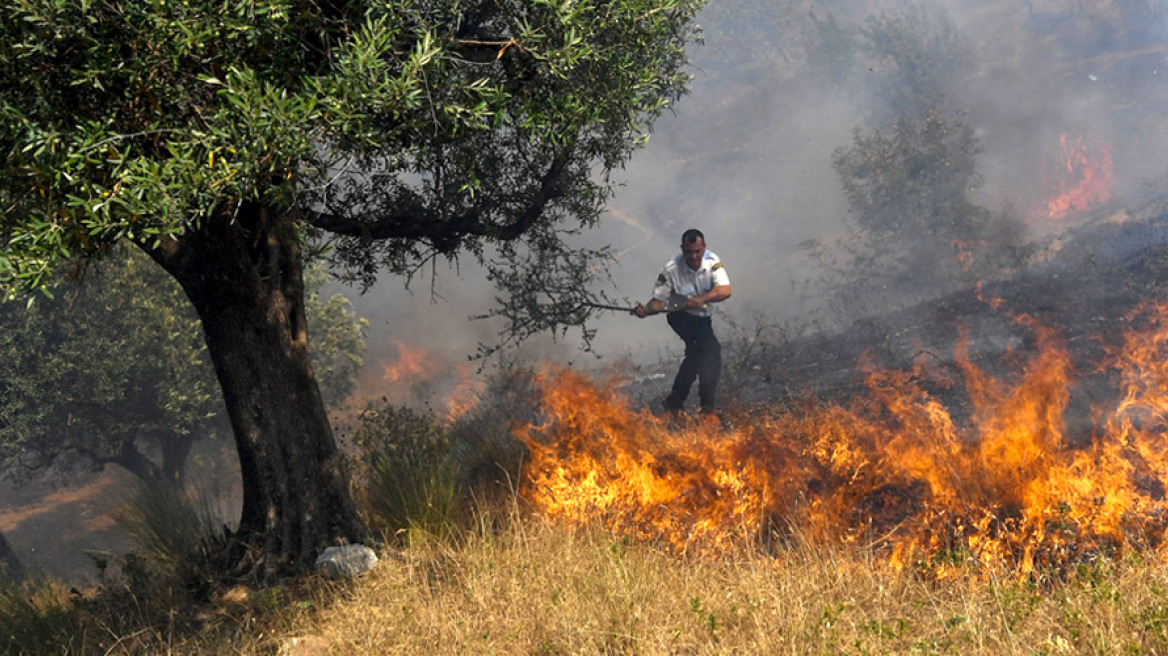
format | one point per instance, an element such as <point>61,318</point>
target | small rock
<point>347,561</point>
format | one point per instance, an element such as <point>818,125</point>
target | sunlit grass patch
<point>519,583</point>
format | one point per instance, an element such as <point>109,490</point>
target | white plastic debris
<point>347,561</point>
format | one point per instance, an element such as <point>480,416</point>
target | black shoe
<point>672,405</point>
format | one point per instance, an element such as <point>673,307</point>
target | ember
<point>988,483</point>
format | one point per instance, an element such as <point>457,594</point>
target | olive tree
<point>232,139</point>
<point>112,370</point>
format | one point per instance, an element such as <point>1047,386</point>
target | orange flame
<point>597,461</point>
<point>465,394</point>
<point>412,362</point>
<point>998,488</point>
<point>1086,180</point>
<point>417,375</point>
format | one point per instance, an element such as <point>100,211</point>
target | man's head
<point>693,248</point>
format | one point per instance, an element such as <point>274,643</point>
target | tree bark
<point>133,461</point>
<point>243,273</point>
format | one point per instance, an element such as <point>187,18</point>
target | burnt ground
<point>1082,283</point>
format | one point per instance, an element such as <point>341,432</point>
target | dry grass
<point>538,589</point>
<point>534,588</point>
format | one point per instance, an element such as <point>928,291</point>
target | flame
<point>679,486</point>
<point>413,362</point>
<point>995,302</point>
<point>964,252</point>
<point>466,393</point>
<point>999,487</point>
<point>418,376</point>
<point>1086,178</point>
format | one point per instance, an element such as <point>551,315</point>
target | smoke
<point>747,156</point>
<point>1094,70</point>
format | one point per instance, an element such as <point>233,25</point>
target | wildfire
<point>999,486</point>
<point>420,377</point>
<point>413,362</point>
<point>1086,178</point>
<point>964,252</point>
<point>465,393</point>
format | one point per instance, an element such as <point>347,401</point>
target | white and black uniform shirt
<point>676,278</point>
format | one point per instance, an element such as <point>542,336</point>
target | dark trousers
<point>703,361</point>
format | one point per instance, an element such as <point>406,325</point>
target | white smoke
<point>746,156</point>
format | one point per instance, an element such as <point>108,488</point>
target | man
<point>692,280</point>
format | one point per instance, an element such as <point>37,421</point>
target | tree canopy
<point>404,129</point>
<point>223,137</point>
<point>913,231</point>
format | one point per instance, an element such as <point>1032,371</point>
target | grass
<point>34,614</point>
<point>175,535</point>
<point>531,587</point>
<point>409,484</point>
<point>538,589</point>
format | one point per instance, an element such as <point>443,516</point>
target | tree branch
<point>411,225</point>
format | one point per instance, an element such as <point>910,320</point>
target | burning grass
<point>987,487</point>
<point>1085,177</point>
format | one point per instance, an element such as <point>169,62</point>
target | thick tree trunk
<point>243,273</point>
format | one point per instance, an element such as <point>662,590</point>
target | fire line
<point>1001,488</point>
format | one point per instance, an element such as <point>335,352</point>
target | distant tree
<point>896,63</point>
<point>834,45</point>
<point>113,370</point>
<point>336,339</point>
<point>913,231</point>
<point>11,569</point>
<point>761,36</point>
<point>223,137</point>
<point>914,60</point>
<point>908,186</point>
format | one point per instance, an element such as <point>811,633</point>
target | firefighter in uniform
<point>686,287</point>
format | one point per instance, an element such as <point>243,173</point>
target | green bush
<point>410,484</point>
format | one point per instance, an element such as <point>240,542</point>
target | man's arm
<point>652,307</point>
<point>719,293</point>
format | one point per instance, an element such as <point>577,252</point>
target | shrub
<point>410,483</point>
<point>175,539</point>
<point>35,619</point>
<point>483,442</point>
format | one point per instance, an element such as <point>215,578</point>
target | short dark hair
<point>691,236</point>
